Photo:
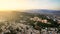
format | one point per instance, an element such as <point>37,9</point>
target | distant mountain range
<point>44,11</point>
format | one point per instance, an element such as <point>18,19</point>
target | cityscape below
<point>29,16</point>
<point>30,22</point>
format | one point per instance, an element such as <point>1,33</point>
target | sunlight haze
<point>29,4</point>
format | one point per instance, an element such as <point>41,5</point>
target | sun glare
<point>26,4</point>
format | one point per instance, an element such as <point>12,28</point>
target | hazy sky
<point>29,4</point>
